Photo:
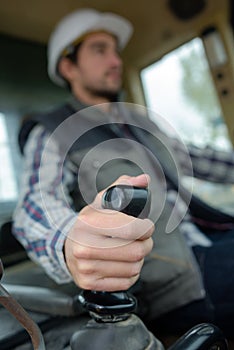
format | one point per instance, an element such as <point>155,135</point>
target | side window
<point>8,179</point>
<point>180,88</point>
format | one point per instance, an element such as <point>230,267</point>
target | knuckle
<point>87,284</point>
<point>139,252</point>
<point>151,227</point>
<point>129,282</point>
<point>151,244</point>
<point>86,267</point>
<point>126,284</point>
<point>82,252</point>
<point>136,268</point>
<point>148,227</point>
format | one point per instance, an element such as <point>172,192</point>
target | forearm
<point>43,242</point>
<point>43,217</point>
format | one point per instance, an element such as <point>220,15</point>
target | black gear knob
<point>130,200</point>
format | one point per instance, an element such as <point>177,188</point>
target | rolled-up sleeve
<point>44,216</point>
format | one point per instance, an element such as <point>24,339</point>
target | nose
<point>115,59</point>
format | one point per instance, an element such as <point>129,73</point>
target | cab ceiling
<point>153,20</point>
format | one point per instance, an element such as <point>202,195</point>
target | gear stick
<point>113,323</point>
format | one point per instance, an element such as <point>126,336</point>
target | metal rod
<point>23,318</point>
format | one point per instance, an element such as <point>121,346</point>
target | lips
<point>115,75</point>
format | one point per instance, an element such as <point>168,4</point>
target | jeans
<point>217,268</point>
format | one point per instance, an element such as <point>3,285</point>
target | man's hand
<point>105,249</point>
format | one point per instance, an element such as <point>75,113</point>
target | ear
<point>66,68</point>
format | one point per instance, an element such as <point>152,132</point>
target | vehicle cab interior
<point>179,64</point>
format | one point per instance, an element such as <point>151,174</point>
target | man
<point>60,220</point>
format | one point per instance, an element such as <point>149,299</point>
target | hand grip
<point>116,306</point>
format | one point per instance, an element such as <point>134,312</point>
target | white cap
<point>77,24</point>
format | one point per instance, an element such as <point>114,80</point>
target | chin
<point>111,96</point>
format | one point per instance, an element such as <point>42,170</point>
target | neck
<point>90,99</point>
<point>102,103</point>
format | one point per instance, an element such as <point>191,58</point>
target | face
<point>98,70</point>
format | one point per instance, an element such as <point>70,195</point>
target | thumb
<point>142,180</point>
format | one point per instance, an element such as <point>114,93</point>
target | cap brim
<point>116,25</point>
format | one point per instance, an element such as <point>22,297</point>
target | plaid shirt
<point>44,242</point>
